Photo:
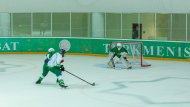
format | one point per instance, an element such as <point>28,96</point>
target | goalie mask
<point>119,45</point>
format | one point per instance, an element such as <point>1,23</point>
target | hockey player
<point>120,52</point>
<point>54,63</point>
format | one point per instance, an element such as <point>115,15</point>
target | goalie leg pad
<point>111,64</point>
<point>125,62</point>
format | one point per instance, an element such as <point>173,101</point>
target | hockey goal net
<point>135,53</point>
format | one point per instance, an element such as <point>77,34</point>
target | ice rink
<point>164,84</point>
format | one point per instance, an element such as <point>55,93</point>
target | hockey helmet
<point>51,50</point>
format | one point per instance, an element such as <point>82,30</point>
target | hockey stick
<point>93,84</point>
<point>65,44</point>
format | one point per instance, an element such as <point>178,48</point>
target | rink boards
<point>88,46</point>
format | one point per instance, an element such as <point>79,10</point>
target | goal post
<point>135,52</point>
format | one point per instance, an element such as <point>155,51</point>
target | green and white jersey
<point>55,60</point>
<point>118,52</point>
<point>49,55</point>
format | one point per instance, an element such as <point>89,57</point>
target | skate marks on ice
<point>118,67</point>
<point>166,90</point>
<point>101,65</point>
<point>104,65</point>
<point>75,86</point>
<point>4,66</point>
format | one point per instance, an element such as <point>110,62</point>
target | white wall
<point>126,6</point>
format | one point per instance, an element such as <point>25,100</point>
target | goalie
<point>121,53</point>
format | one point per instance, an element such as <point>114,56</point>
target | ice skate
<point>39,80</point>
<point>130,67</point>
<point>62,84</point>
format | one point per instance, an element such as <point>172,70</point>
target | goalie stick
<point>93,84</point>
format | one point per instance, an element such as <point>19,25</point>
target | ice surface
<point>164,84</point>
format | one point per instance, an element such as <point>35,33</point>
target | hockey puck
<point>93,84</point>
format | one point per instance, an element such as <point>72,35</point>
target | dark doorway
<point>136,31</point>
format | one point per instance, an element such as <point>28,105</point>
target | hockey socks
<point>61,82</point>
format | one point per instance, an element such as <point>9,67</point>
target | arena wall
<point>94,46</point>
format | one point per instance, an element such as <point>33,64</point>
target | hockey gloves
<point>62,68</point>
